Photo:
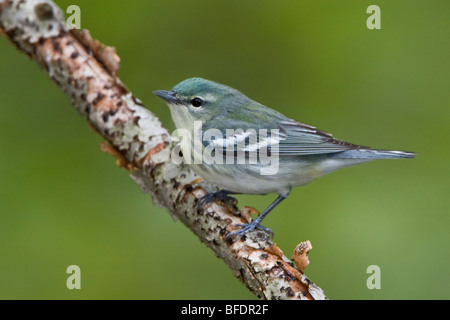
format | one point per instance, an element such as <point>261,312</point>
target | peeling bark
<point>86,71</point>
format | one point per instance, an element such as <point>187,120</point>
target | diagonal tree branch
<point>86,71</point>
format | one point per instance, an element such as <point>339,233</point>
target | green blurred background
<point>64,202</point>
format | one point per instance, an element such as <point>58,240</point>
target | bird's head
<point>197,99</point>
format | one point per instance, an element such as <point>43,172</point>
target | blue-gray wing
<point>287,138</point>
<point>301,139</point>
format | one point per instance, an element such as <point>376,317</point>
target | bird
<point>265,151</point>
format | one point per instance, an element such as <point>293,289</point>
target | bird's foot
<point>221,195</point>
<point>248,227</point>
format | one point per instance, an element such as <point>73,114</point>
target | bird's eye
<point>197,102</point>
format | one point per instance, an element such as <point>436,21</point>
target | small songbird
<point>248,148</point>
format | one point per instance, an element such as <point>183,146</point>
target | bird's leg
<point>223,195</point>
<point>255,224</point>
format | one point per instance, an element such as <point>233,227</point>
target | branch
<point>86,71</point>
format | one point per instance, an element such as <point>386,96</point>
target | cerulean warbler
<point>246,147</point>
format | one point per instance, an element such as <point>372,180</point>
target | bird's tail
<point>374,154</point>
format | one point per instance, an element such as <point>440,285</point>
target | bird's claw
<point>248,227</point>
<point>221,195</point>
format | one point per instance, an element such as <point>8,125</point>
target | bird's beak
<point>168,96</point>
